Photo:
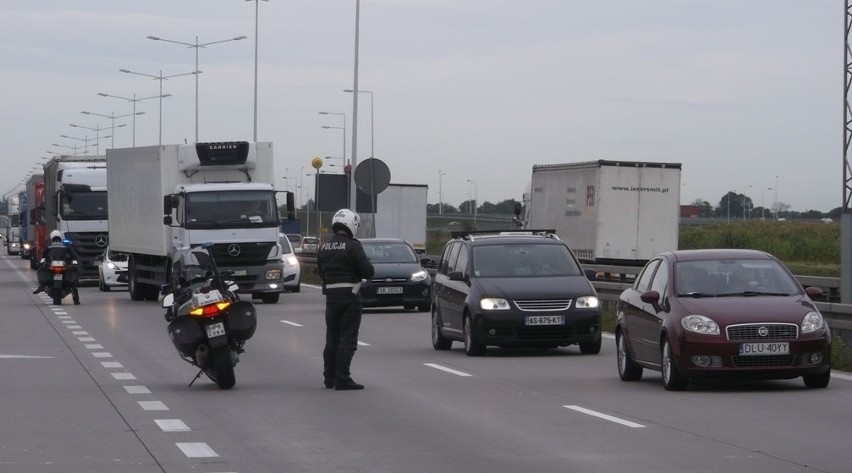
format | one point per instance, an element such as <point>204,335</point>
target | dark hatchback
<point>721,313</point>
<point>400,279</point>
<point>513,289</point>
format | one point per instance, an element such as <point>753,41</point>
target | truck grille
<point>752,332</point>
<point>89,246</point>
<point>543,305</point>
<point>241,254</point>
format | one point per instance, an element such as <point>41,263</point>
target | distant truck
<point>401,213</point>
<point>12,227</point>
<point>162,198</point>
<point>75,203</point>
<point>35,234</point>
<point>620,212</point>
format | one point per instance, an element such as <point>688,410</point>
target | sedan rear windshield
<point>523,260</point>
<point>389,253</point>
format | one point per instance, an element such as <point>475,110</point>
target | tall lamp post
<point>474,196</point>
<point>338,128</point>
<point>112,125</point>
<point>441,174</point>
<point>160,78</point>
<point>372,134</point>
<point>72,148</point>
<point>134,100</point>
<point>97,131</point>
<point>256,24</point>
<point>763,202</point>
<point>196,46</point>
<point>85,141</point>
<point>744,201</point>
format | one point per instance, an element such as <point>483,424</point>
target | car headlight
<point>273,274</point>
<point>419,276</point>
<point>290,260</point>
<point>812,322</point>
<point>111,265</point>
<point>26,246</point>
<point>700,324</point>
<point>493,303</point>
<point>587,302</point>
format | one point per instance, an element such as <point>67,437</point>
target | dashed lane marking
<point>294,324</point>
<point>137,390</point>
<point>196,450</point>
<point>447,370</point>
<point>172,425</point>
<point>152,406</point>
<point>603,416</point>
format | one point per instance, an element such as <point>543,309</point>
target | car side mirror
<point>456,276</point>
<point>591,274</point>
<point>167,220</point>
<point>650,297</point>
<point>812,291</point>
<point>425,261</point>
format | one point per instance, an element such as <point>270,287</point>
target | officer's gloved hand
<point>74,263</point>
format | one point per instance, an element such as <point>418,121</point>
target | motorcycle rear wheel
<point>221,370</point>
<point>56,294</point>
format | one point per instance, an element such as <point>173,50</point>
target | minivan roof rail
<point>471,234</point>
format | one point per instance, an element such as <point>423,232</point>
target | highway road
<point>99,388</point>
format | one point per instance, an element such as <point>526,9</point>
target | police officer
<point>58,250</point>
<point>342,265</point>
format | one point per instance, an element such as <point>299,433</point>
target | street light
<point>85,141</point>
<point>338,128</point>
<point>474,195</point>
<point>196,46</point>
<point>112,118</point>
<point>441,174</point>
<point>134,100</point>
<point>372,141</point>
<point>763,202</point>
<point>352,191</point>
<point>256,16</point>
<point>160,78</point>
<point>742,201</point>
<point>97,131</point>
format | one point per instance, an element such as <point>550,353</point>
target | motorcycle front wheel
<point>221,370</point>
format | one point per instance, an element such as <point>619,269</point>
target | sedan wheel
<point>439,342</point>
<point>628,370</point>
<point>672,379</point>
<point>472,346</point>
<point>817,380</point>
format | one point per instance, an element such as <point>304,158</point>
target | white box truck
<point>218,195</point>
<point>75,203</point>
<point>401,213</point>
<point>12,228</point>
<point>608,211</point>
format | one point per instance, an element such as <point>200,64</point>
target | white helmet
<point>346,219</point>
<point>56,234</point>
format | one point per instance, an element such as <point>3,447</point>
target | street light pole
<point>112,118</point>
<point>763,202</point>
<point>743,201</point>
<point>196,46</point>
<point>441,174</point>
<point>256,24</point>
<point>372,128</point>
<point>134,100</point>
<point>160,78</point>
<point>98,136</point>
<point>353,195</point>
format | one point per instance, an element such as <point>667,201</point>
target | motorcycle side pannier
<point>186,334</point>
<point>242,320</point>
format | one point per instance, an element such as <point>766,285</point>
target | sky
<point>467,95</point>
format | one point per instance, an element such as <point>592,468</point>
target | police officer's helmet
<point>56,236</point>
<point>347,220</point>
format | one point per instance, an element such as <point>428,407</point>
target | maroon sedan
<point>715,313</point>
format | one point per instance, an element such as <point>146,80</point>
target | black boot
<point>347,385</point>
<point>342,380</point>
<point>40,288</point>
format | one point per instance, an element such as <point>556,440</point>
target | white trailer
<point>608,211</point>
<point>219,195</point>
<point>11,228</point>
<point>401,213</point>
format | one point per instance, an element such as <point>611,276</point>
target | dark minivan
<point>513,289</point>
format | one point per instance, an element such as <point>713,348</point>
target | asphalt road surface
<point>99,388</point>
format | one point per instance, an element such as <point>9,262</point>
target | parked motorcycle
<point>57,277</point>
<point>208,323</point>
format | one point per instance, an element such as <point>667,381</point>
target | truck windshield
<point>231,209</point>
<point>13,220</point>
<point>83,205</point>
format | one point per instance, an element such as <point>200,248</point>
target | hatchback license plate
<point>389,290</point>
<point>765,348</point>
<point>215,330</point>
<point>239,272</point>
<point>545,320</point>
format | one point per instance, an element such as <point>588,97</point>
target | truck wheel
<point>270,297</point>
<point>132,284</point>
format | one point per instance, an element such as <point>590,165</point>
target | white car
<point>310,245</point>
<point>292,273</point>
<point>112,270</point>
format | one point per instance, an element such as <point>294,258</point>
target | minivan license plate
<point>215,330</point>
<point>765,348</point>
<point>545,319</point>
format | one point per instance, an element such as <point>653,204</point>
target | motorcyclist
<point>342,265</point>
<point>58,250</point>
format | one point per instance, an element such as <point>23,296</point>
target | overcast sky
<point>741,92</point>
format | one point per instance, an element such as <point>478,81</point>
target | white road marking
<point>102,354</point>
<point>137,390</point>
<point>86,339</point>
<point>79,332</point>
<point>60,312</point>
<point>69,321</point>
<point>73,327</point>
<point>448,370</point>
<point>64,317</point>
<point>111,364</point>
<point>605,417</point>
<point>94,346</point>
<point>122,376</point>
<point>835,374</point>
<point>172,425</point>
<point>152,405</point>
<point>15,357</point>
<point>292,323</point>
<point>196,450</point>
<point>363,344</point>
<point>611,336</point>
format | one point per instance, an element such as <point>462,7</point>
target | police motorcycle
<point>57,275</point>
<point>208,323</point>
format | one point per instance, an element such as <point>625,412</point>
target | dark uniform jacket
<point>342,263</point>
<point>61,251</point>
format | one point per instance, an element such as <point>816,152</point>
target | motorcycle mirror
<point>168,301</point>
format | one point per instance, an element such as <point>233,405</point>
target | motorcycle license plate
<point>215,330</point>
<point>57,276</point>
